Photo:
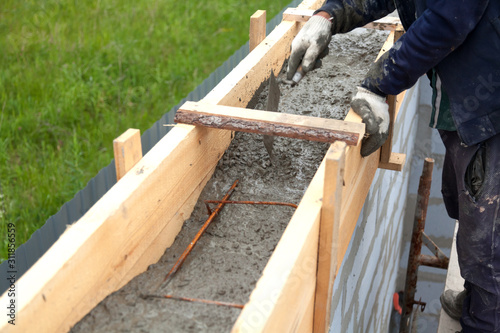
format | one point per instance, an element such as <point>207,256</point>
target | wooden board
<point>270,123</point>
<point>386,149</point>
<point>396,162</point>
<point>297,14</point>
<point>257,29</point>
<point>127,150</point>
<point>386,23</point>
<point>329,234</point>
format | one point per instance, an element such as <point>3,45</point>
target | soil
<point>229,258</point>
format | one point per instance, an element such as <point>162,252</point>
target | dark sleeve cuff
<point>368,84</point>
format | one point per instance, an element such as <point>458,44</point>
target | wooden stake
<point>257,28</point>
<point>386,149</point>
<point>128,151</point>
<point>328,234</point>
<point>388,159</point>
<point>396,162</point>
<point>269,123</point>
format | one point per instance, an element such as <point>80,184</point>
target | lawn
<point>74,75</point>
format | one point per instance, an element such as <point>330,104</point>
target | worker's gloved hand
<point>374,111</point>
<point>310,44</point>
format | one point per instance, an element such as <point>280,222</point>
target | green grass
<point>74,75</point>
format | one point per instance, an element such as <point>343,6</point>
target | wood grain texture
<point>392,100</point>
<point>396,162</point>
<point>257,29</point>
<point>127,150</point>
<point>329,234</point>
<point>270,123</point>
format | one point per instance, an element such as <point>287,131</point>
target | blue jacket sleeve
<point>350,14</point>
<point>441,28</point>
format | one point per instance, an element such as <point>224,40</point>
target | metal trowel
<point>273,101</point>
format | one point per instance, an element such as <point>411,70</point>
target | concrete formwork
<point>364,258</point>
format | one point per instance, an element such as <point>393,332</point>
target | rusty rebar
<point>429,243</point>
<point>241,202</point>
<point>186,252</point>
<point>197,300</point>
<point>432,261</point>
<point>424,188</point>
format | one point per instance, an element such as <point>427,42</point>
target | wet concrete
<point>229,258</point>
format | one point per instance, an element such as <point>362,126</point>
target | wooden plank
<point>296,14</point>
<point>257,29</point>
<point>127,149</point>
<point>303,15</point>
<point>359,173</point>
<point>143,213</point>
<point>305,324</point>
<point>396,162</point>
<point>386,149</point>
<point>398,33</point>
<point>328,234</point>
<point>386,23</point>
<point>270,123</point>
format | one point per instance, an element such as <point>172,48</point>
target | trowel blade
<point>273,97</point>
<point>273,101</point>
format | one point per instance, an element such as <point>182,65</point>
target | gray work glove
<point>310,43</point>
<point>374,111</point>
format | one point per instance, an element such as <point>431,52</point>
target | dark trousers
<point>471,192</point>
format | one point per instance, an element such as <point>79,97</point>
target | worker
<point>457,44</point>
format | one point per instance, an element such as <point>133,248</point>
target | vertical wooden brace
<point>257,28</point>
<point>386,149</point>
<point>127,150</point>
<point>329,234</point>
<point>386,155</point>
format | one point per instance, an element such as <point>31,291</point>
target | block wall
<point>438,225</point>
<point>362,296</point>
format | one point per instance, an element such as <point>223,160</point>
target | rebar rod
<point>191,245</point>
<point>242,202</point>
<point>429,243</point>
<point>198,300</point>
<point>432,261</point>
